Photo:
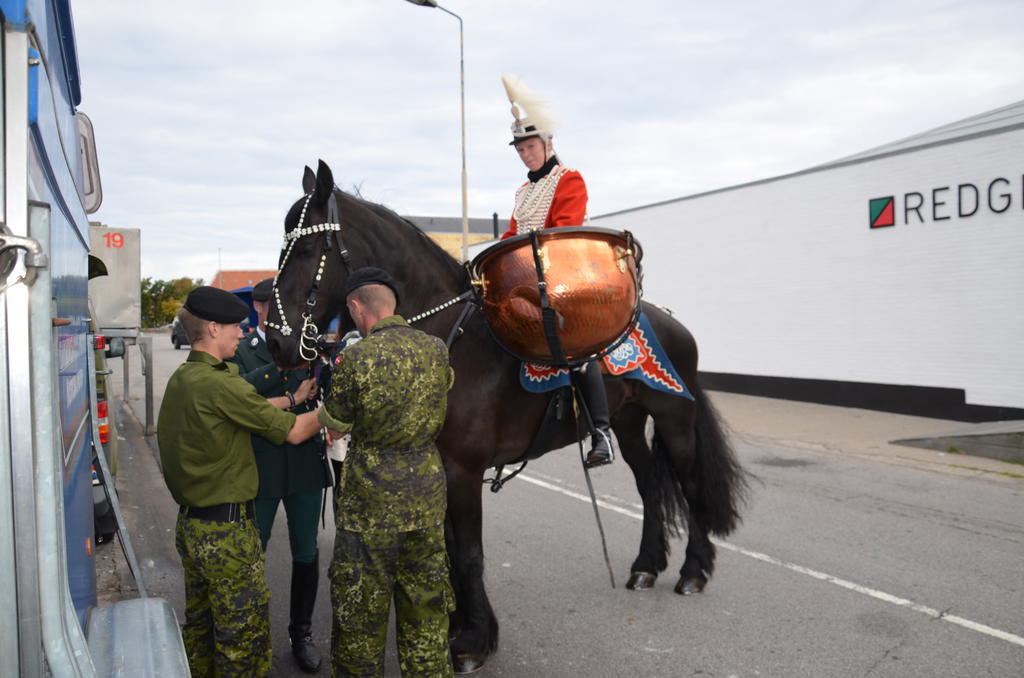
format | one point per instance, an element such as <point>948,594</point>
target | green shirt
<point>391,391</point>
<point>206,418</point>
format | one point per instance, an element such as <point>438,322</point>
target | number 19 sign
<point>114,239</point>
<point>116,297</point>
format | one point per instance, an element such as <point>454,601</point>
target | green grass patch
<point>1008,474</point>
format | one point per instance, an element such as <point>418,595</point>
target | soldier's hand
<point>306,390</point>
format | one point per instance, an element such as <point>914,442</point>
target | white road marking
<point>874,593</point>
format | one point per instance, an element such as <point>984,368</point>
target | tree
<point>161,299</point>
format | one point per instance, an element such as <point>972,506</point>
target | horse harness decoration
<point>309,334</point>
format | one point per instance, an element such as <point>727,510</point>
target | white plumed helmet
<point>533,117</point>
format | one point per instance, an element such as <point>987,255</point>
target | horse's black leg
<point>699,561</point>
<point>678,443</point>
<point>629,426</point>
<point>712,482</point>
<point>474,624</point>
<point>455,618</point>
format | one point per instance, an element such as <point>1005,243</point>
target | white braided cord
<point>533,200</point>
<point>436,309</point>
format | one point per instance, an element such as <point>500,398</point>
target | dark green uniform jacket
<point>284,469</point>
<point>391,391</point>
<point>206,420</point>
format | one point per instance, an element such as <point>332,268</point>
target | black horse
<point>688,476</point>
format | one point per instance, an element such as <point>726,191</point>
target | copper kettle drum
<point>592,278</point>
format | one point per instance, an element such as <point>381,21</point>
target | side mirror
<point>115,347</point>
<point>92,190</point>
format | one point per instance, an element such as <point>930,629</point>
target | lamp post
<point>462,102</point>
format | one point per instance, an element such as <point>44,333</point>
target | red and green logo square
<point>882,212</point>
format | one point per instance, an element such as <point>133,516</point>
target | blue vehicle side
<point>50,623</point>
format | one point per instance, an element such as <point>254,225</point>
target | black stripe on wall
<point>921,401</point>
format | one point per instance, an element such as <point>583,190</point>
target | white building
<point>891,279</point>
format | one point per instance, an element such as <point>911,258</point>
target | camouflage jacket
<point>391,391</point>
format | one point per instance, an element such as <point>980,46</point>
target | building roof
<point>996,121</point>
<point>983,124</point>
<point>452,242</point>
<point>233,280</point>
<point>454,224</point>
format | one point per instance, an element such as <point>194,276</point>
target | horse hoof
<point>688,587</point>
<point>468,663</point>
<point>640,581</point>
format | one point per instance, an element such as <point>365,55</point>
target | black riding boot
<point>305,577</point>
<point>592,388</point>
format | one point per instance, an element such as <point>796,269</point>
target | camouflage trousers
<point>367,570</point>
<point>227,602</point>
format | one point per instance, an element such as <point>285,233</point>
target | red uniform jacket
<point>568,208</point>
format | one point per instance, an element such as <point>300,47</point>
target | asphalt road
<point>854,559</point>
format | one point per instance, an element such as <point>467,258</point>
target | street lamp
<point>462,100</point>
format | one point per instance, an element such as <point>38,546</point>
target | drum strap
<point>457,330</point>
<point>548,314</point>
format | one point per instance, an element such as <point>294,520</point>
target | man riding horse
<point>553,196</point>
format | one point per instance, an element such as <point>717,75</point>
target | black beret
<point>370,275</point>
<point>263,289</point>
<point>220,306</point>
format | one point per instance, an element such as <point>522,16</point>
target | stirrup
<point>593,461</point>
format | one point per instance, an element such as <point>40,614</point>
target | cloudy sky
<point>206,111</point>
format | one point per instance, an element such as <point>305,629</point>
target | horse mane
<point>291,218</point>
<point>433,250</point>
<point>436,252</point>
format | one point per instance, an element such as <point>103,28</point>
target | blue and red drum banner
<point>640,356</point>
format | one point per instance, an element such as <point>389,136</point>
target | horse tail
<point>669,503</point>
<point>720,482</point>
<point>717,482</point>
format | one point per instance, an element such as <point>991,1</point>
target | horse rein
<point>310,336</point>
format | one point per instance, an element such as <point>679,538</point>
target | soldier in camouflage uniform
<point>206,418</point>
<point>390,390</point>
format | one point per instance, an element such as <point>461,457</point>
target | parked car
<point>178,336</point>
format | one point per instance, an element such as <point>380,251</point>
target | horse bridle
<point>310,335</point>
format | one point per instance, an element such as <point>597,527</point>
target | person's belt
<point>221,513</point>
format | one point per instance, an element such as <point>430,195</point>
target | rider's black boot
<point>305,577</point>
<point>592,388</point>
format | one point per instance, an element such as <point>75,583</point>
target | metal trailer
<point>49,621</point>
